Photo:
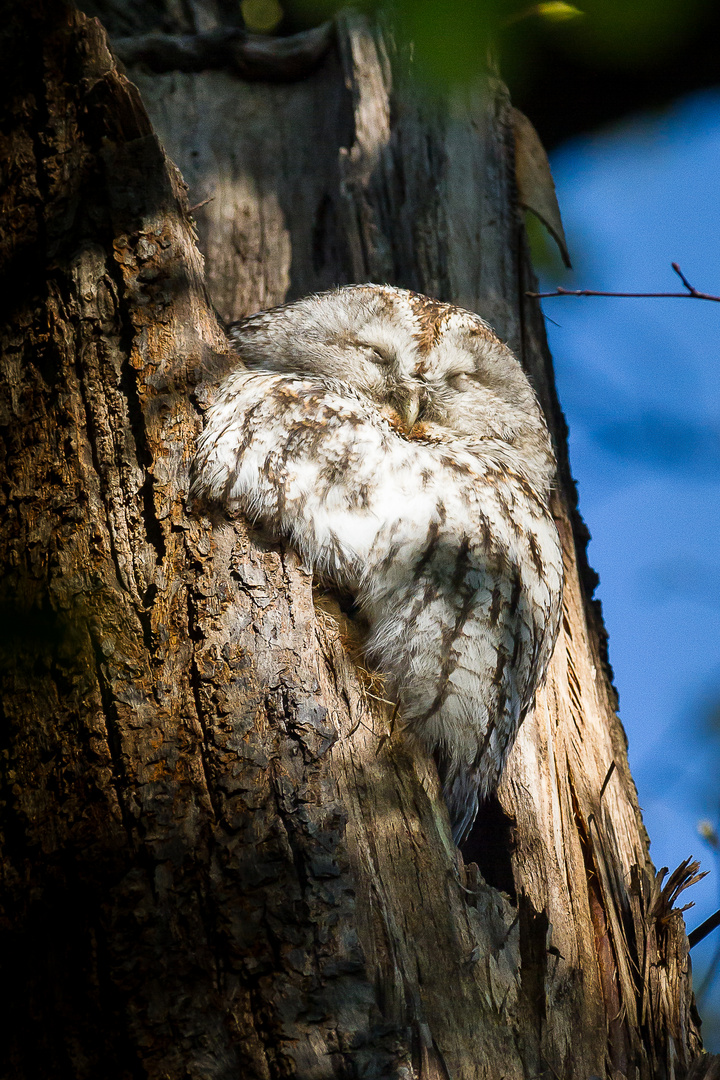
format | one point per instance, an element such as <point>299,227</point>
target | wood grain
<point>219,858</point>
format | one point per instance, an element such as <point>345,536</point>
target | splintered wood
<point>222,856</point>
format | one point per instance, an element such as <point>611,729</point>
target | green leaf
<point>557,11</point>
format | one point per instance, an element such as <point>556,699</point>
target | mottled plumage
<point>397,445</point>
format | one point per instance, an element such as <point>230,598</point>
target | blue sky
<point>640,384</point>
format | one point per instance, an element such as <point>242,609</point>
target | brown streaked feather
<point>429,316</point>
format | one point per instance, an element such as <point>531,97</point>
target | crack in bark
<point>250,56</point>
<point>113,732</point>
<point>195,681</point>
<point>605,945</point>
<point>206,916</point>
<point>92,439</point>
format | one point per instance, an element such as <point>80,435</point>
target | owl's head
<point>433,367</point>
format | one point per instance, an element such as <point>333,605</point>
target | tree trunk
<point>219,858</point>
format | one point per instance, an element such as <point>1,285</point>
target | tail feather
<point>460,787</point>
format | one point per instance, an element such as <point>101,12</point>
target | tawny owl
<point>395,442</point>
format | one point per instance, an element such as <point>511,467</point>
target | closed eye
<point>380,356</point>
<point>376,354</point>
<point>462,380</point>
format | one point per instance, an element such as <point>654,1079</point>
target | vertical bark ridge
<point>219,854</point>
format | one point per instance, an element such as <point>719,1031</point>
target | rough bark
<point>219,858</point>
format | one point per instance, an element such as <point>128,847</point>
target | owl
<point>397,445</point>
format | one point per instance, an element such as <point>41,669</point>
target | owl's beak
<point>412,407</point>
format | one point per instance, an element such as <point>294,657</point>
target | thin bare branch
<point>704,929</point>
<point>691,292</point>
<point>192,209</point>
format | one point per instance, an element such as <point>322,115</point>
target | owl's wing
<point>314,465</point>
<point>450,564</point>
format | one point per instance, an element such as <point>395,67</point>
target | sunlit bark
<point>219,857</point>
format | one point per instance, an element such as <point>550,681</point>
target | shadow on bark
<point>218,860</point>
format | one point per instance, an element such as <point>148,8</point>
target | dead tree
<point>218,857</point>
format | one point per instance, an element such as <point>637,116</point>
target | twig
<point>606,781</point>
<point>388,734</point>
<point>191,209</point>
<point>704,929</point>
<point>691,294</point>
